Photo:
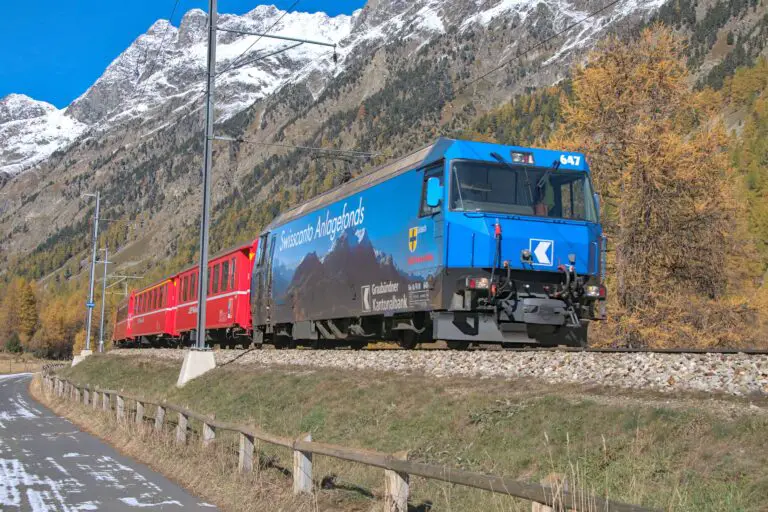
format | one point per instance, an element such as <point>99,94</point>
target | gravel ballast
<point>735,374</point>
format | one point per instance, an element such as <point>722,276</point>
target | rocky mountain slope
<point>405,73</point>
<point>31,130</point>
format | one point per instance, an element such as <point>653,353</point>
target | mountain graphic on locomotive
<point>461,241</point>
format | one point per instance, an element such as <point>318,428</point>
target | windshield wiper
<point>525,170</point>
<point>543,180</point>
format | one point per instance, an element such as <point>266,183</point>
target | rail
<point>397,467</point>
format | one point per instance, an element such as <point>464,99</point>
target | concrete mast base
<point>196,363</point>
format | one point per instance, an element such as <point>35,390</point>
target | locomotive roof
<point>423,156</point>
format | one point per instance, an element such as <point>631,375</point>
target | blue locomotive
<point>461,241</point>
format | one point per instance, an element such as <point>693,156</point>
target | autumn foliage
<point>672,211</point>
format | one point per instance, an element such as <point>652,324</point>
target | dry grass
<point>12,363</point>
<point>691,453</point>
<point>210,473</point>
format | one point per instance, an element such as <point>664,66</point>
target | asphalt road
<point>48,464</point>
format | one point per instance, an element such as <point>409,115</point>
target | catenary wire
<point>351,153</point>
<point>537,45</point>
<point>234,61</point>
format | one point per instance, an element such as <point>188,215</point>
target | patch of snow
<point>486,16</point>
<point>31,131</point>
<point>133,502</point>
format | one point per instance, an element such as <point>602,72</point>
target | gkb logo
<point>543,251</point>
<point>366,293</point>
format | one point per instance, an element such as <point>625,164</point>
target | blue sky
<point>53,50</point>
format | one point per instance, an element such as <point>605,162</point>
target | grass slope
<point>672,454</point>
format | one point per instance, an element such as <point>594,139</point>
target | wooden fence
<point>397,469</point>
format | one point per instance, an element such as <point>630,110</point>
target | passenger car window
<point>215,278</point>
<point>431,172</point>
<point>232,274</point>
<point>224,276</point>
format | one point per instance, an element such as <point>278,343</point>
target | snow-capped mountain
<point>407,71</point>
<point>167,64</point>
<point>161,75</point>
<point>31,130</point>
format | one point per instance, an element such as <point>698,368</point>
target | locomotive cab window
<point>431,172</point>
<point>521,190</point>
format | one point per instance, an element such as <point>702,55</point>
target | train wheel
<point>408,340</point>
<point>318,344</point>
<point>457,345</point>
<point>568,336</point>
<point>280,342</point>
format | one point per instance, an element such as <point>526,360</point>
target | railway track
<point>498,348</point>
<point>734,372</point>
<point>624,350</point>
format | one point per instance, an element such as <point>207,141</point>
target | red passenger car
<point>166,313</point>
<point>154,311</point>
<point>121,330</point>
<point>228,308</point>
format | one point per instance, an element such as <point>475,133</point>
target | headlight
<point>477,283</point>
<point>595,291</point>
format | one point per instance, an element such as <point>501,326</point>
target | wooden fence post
<point>159,418</point>
<point>209,434</point>
<point>245,460</point>
<point>139,412</point>
<point>120,408</point>
<point>181,429</point>
<point>396,487</point>
<point>77,394</point>
<point>86,396</point>
<point>105,401</point>
<point>95,400</point>
<point>302,468</point>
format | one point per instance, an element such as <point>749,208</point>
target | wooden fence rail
<point>397,468</point>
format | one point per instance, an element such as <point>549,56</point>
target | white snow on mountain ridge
<point>31,131</point>
<point>162,73</point>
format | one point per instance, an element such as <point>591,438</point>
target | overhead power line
<point>163,41</point>
<point>538,45</point>
<point>285,38</point>
<point>264,56</point>
<point>234,61</point>
<point>354,154</point>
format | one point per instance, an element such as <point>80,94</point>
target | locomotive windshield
<point>521,190</point>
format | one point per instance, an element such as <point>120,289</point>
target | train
<point>461,241</point>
